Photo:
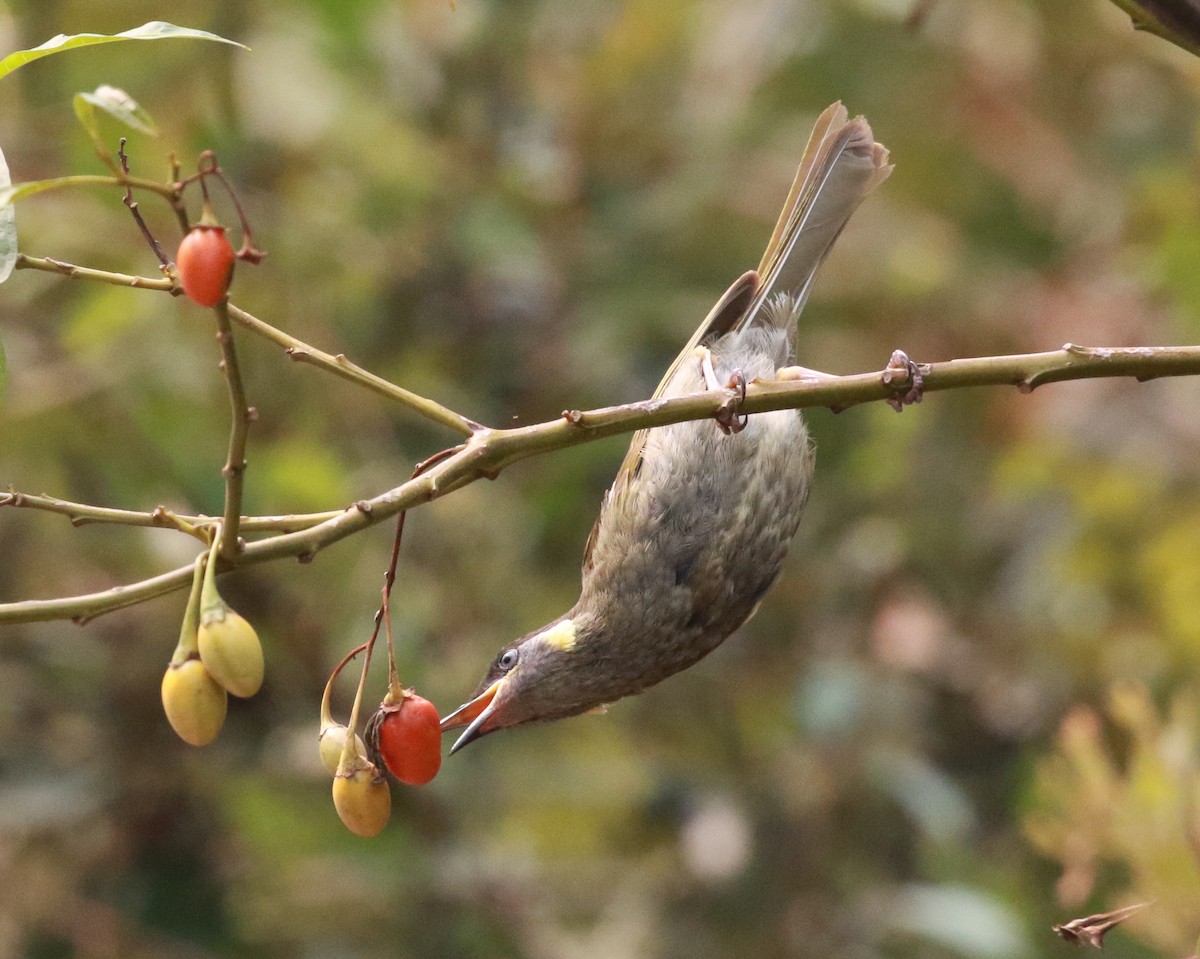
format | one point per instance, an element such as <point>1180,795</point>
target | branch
<point>487,452</point>
<point>47,265</point>
<point>297,349</point>
<point>241,415</point>
<point>338,365</point>
<point>1176,21</point>
<point>82,514</point>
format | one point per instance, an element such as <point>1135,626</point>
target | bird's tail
<point>842,164</point>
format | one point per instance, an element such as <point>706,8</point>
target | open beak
<point>475,714</point>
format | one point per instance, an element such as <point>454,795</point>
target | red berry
<point>410,739</point>
<point>205,264</point>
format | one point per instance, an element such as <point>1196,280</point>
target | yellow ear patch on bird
<point>559,636</point>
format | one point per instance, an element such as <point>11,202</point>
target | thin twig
<point>200,526</point>
<point>488,452</point>
<point>389,577</point>
<point>339,365</point>
<point>70,270</point>
<point>241,415</point>
<point>297,349</point>
<point>137,214</point>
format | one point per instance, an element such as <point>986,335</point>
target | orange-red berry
<point>205,264</point>
<point>409,739</point>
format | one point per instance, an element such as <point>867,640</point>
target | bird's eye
<point>508,660</point>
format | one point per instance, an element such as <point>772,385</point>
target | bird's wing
<point>842,163</point>
<point>721,318</point>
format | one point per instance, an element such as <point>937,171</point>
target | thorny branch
<point>297,349</point>
<point>488,451</point>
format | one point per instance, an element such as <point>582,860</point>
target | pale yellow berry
<point>230,649</point>
<point>362,798</point>
<point>193,701</point>
<point>331,744</point>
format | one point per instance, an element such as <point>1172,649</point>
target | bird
<point>695,528</point>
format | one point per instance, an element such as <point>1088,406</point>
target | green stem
<point>212,606</point>
<point>234,470</point>
<point>186,648</point>
<point>326,713</point>
<point>350,747</point>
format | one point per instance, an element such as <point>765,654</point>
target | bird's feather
<point>842,163</point>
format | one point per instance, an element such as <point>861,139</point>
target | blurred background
<point>968,710</point>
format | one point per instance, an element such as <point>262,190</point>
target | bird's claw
<point>906,380</point>
<point>728,416</point>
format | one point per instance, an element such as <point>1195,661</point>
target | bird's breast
<point>685,550</point>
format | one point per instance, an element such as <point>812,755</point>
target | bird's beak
<point>475,714</point>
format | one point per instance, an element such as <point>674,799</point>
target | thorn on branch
<point>1093,929</point>
<point>574,417</point>
<point>251,414</point>
<point>305,558</point>
<point>364,507</point>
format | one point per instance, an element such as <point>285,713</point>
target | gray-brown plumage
<point>695,528</point>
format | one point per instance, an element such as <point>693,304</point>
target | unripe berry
<point>362,798</point>
<point>331,743</point>
<point>230,649</point>
<point>194,703</point>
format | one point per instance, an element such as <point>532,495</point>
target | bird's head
<point>537,678</point>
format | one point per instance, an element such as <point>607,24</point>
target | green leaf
<point>8,236</point>
<point>117,104</point>
<point>155,30</point>
<point>11,192</point>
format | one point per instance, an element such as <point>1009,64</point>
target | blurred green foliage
<point>965,713</point>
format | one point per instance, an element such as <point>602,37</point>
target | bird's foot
<point>729,420</point>
<point>729,417</point>
<point>905,379</point>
